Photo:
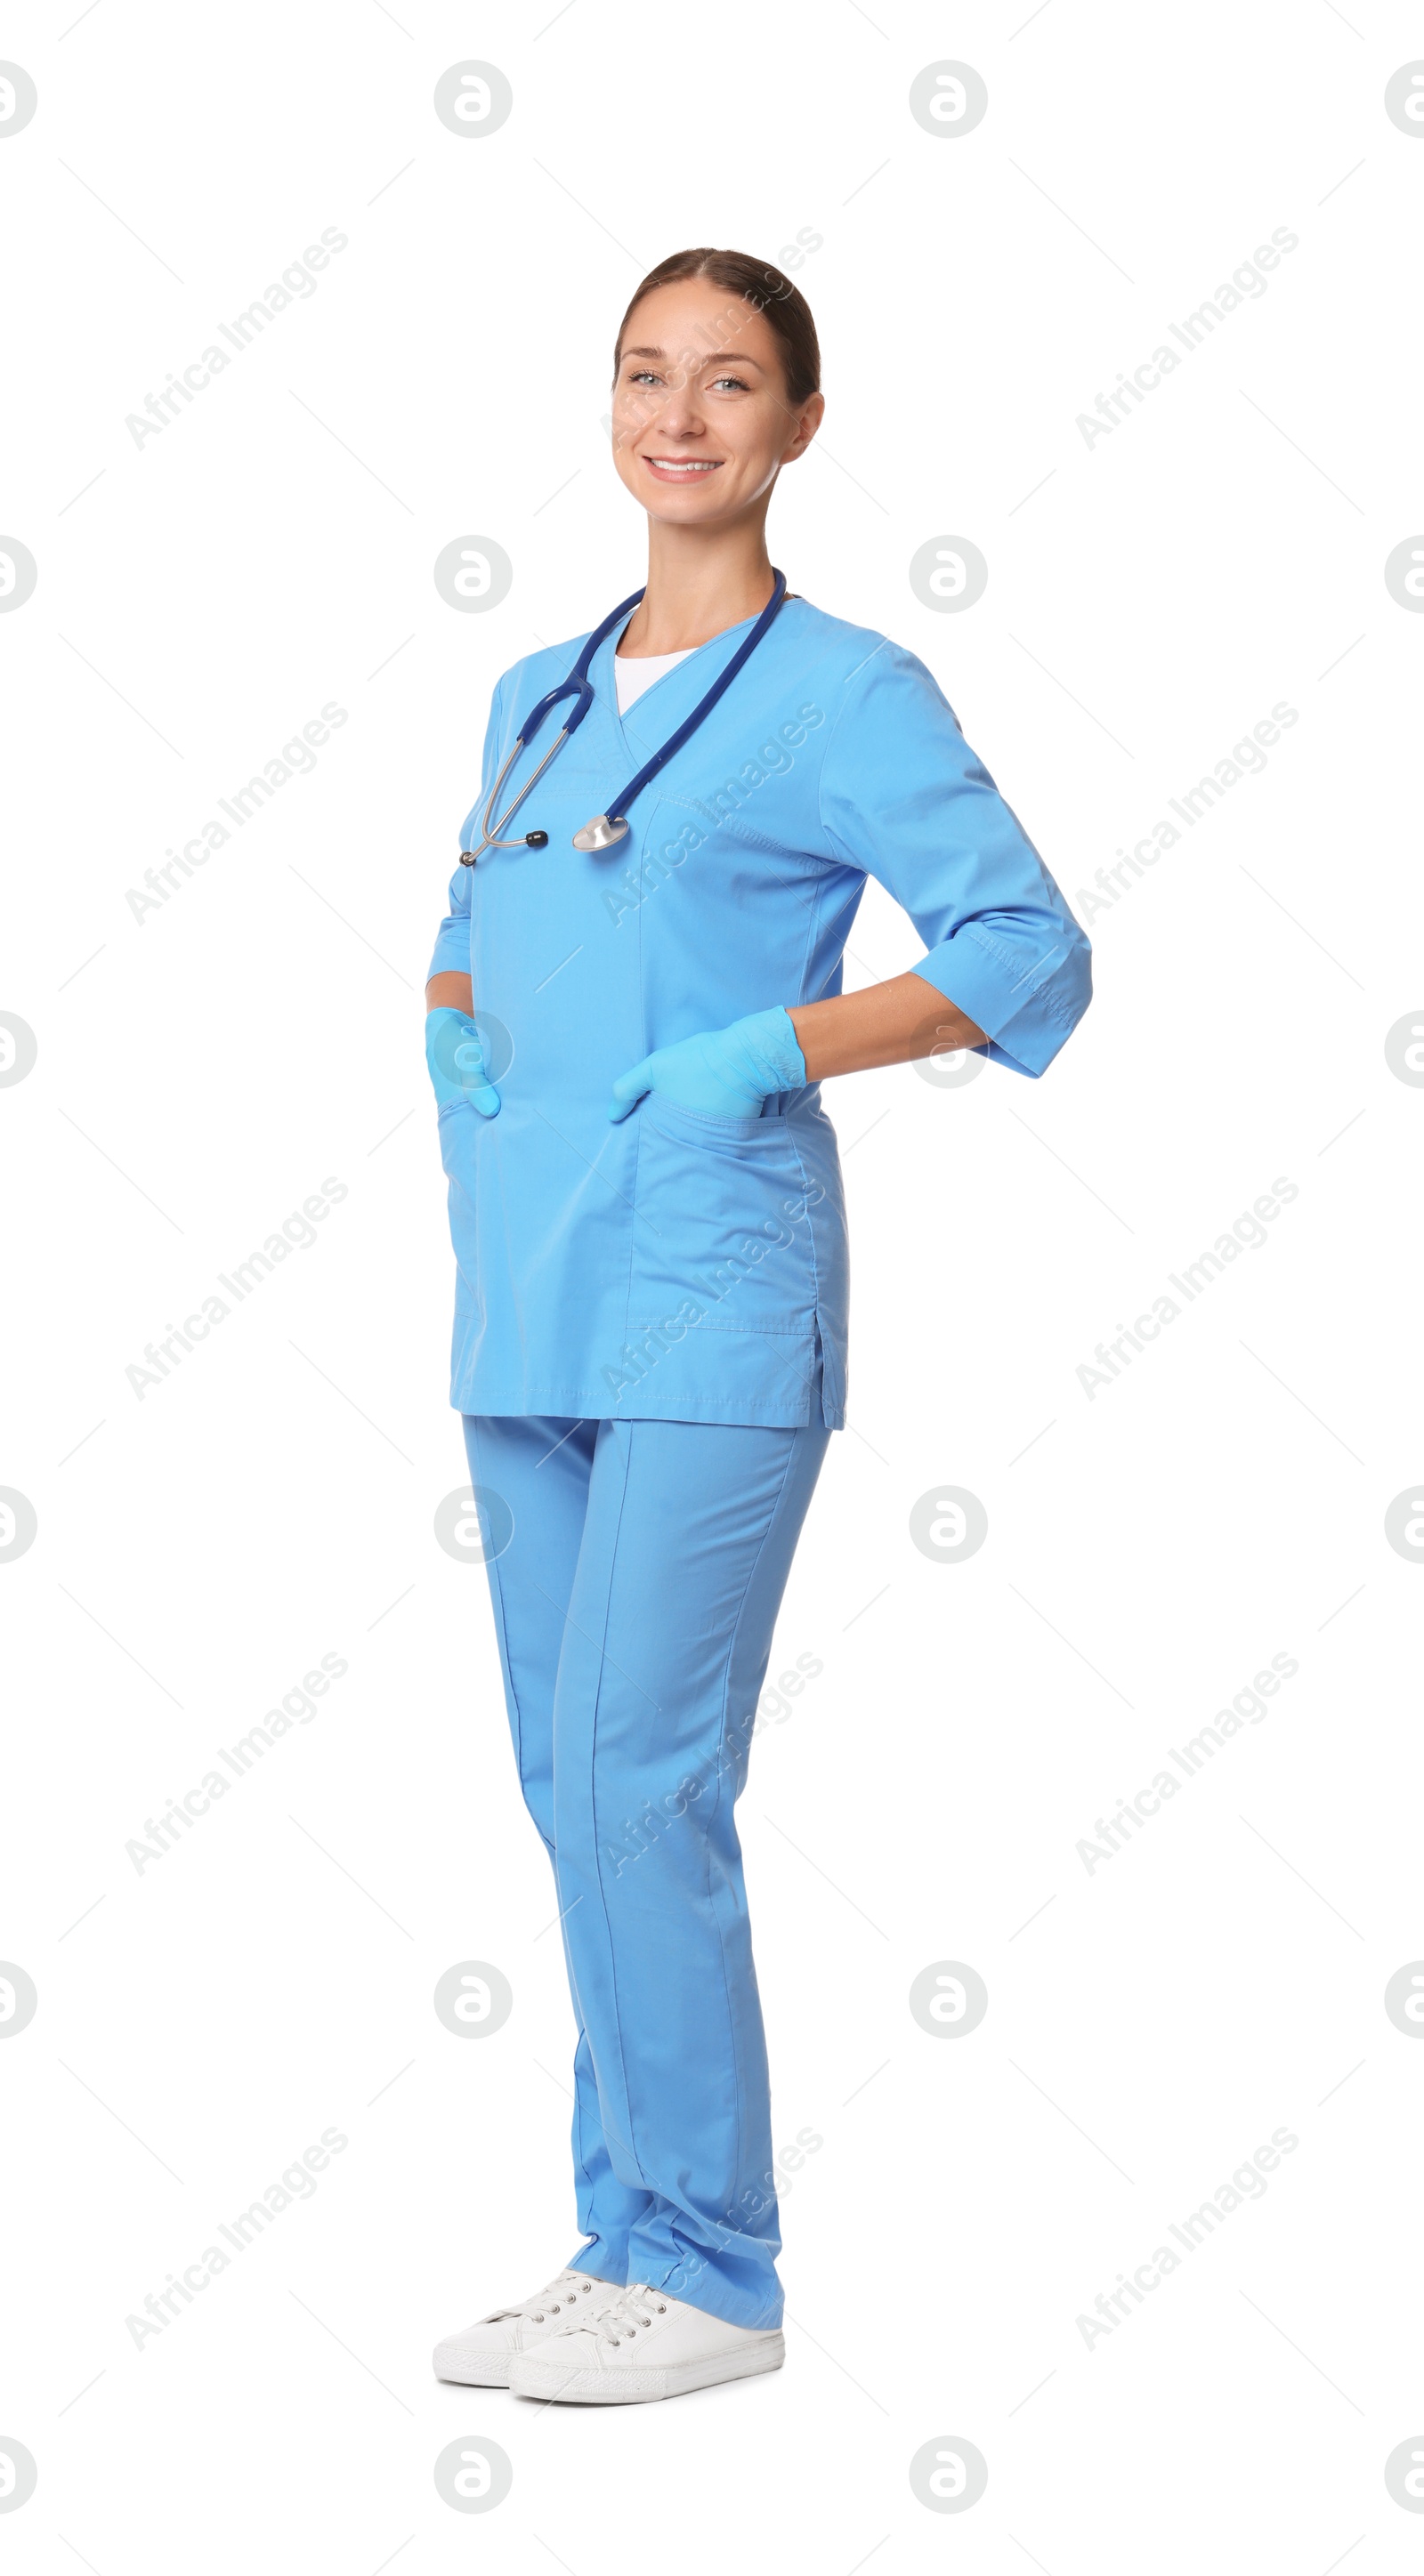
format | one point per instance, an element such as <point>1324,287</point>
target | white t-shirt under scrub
<point>633,677</point>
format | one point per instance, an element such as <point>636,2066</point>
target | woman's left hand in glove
<point>724,1073</point>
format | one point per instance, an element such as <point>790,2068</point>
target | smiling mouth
<point>682,469</point>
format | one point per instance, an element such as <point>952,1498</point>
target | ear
<point>808,421</point>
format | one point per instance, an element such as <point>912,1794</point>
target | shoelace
<point>563,2292</point>
<point>623,2315</point>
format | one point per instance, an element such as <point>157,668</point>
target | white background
<point>1222,1501</point>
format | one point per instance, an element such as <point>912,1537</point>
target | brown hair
<point>758,284</point>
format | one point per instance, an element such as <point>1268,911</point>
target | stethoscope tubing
<point>578,685</point>
<point>723,682</point>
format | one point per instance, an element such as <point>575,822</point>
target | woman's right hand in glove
<point>456,1058</point>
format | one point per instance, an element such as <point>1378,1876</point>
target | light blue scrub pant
<point>634,1605</point>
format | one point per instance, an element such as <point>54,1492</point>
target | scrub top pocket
<point>721,1239</point>
<point>458,1123</point>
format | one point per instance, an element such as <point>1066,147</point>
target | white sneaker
<point>481,2356</point>
<point>642,2344</point>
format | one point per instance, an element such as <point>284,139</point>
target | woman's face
<point>701,420</point>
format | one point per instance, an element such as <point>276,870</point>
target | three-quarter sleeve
<point>904,799</point>
<point>451,954</point>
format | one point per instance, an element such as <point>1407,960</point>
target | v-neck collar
<point>605,684</point>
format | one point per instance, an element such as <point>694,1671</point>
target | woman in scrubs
<point>627,1045</point>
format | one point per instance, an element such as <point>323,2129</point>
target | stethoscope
<point>603,831</point>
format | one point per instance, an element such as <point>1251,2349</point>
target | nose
<point>681,415</point>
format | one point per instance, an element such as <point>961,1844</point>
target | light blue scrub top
<point>678,1267</point>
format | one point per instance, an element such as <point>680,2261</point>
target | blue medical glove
<point>726,1073</point>
<point>457,1061</point>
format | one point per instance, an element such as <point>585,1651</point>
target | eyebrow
<point>718,358</point>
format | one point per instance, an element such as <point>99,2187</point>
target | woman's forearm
<point>890,1023</point>
<point>450,993</point>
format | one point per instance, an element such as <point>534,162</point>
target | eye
<point>737,384</point>
<point>641,376</point>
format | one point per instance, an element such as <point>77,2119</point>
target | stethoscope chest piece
<point>603,832</point>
